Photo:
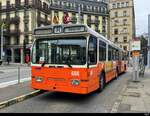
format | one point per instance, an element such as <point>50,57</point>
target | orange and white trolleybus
<point>74,58</point>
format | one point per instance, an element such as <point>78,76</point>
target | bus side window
<point>102,51</point>
<point>113,55</point>
<point>123,57</point>
<point>92,51</point>
<point>117,55</point>
<point>109,53</point>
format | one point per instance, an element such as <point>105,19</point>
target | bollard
<point>18,75</point>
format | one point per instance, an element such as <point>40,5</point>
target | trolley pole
<point>79,15</point>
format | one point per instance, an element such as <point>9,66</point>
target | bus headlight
<point>38,79</point>
<point>75,82</point>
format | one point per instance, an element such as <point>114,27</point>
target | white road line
<point>6,84</point>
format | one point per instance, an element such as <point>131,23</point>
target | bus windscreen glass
<point>70,50</point>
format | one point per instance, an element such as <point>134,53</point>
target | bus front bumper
<point>60,88</point>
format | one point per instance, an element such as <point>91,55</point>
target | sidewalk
<point>136,96</point>
<point>13,64</point>
<point>15,91</point>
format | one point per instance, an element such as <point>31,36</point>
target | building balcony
<point>43,21</point>
<point>73,19</point>
<point>23,5</point>
<point>90,21</point>
<point>15,32</point>
<point>14,20</point>
<point>75,9</point>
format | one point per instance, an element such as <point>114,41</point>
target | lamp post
<point>79,15</point>
<point>2,41</point>
<point>148,55</point>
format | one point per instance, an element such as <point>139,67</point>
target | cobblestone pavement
<point>136,96</point>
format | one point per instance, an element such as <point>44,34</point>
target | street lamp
<point>2,41</point>
<point>79,15</point>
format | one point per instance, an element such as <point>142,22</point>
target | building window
<point>122,4</point>
<point>125,48</point>
<point>118,5</point>
<point>116,39</point>
<point>116,14</point>
<point>114,5</point>
<point>127,4</point>
<point>26,2</point>
<point>125,30</point>
<point>125,39</point>
<point>116,31</point>
<point>116,22</point>
<point>124,21</point>
<point>56,13</point>
<point>124,13</point>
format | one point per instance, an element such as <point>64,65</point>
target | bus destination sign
<point>74,29</point>
<point>42,31</point>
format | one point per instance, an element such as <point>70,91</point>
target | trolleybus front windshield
<point>70,50</point>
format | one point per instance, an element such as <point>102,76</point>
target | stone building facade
<point>22,16</point>
<point>122,22</point>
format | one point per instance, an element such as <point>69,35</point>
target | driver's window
<point>92,53</point>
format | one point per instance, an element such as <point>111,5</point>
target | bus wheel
<point>101,83</point>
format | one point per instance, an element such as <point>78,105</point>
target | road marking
<point>20,98</point>
<point>6,84</point>
<point>118,101</point>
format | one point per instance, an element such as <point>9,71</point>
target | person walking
<point>8,60</point>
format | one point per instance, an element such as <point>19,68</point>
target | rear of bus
<point>59,61</point>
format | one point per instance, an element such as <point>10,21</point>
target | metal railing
<point>14,73</point>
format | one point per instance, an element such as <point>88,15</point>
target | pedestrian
<point>8,60</point>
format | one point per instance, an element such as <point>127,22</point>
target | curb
<point>20,99</point>
<point>14,82</point>
<point>118,101</point>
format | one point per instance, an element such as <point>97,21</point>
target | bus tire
<point>101,82</point>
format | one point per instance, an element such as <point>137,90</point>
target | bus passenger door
<point>92,63</point>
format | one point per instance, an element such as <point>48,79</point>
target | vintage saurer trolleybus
<point>74,58</point>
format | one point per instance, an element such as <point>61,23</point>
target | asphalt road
<point>52,102</point>
<point>8,74</point>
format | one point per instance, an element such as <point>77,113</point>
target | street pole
<point>148,56</point>
<point>2,42</point>
<point>79,15</point>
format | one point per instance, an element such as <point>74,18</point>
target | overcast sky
<point>142,9</point>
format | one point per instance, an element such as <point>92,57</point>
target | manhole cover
<point>132,94</point>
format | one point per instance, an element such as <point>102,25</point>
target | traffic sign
<point>136,45</point>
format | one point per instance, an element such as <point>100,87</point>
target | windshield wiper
<point>69,65</point>
<point>66,62</point>
<point>43,64</point>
